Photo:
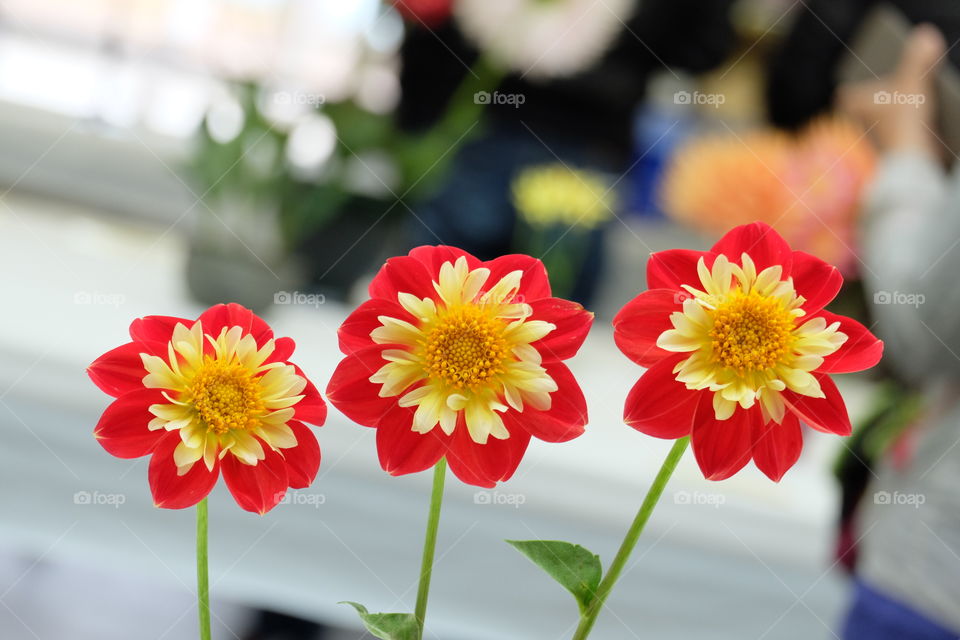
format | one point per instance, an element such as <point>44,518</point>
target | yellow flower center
<point>226,396</point>
<point>465,347</point>
<point>751,332</point>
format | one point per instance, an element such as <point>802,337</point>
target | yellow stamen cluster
<point>751,332</point>
<point>226,396</point>
<point>465,348</point>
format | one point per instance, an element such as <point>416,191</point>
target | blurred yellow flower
<point>553,194</point>
<point>808,187</point>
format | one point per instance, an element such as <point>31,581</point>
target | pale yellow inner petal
<point>467,357</point>
<point>222,396</point>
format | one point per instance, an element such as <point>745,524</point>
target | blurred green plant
<point>253,164</point>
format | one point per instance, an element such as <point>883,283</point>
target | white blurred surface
<point>743,559</point>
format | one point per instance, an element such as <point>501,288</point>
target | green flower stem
<point>430,544</point>
<point>203,574</point>
<point>427,155</point>
<point>589,617</point>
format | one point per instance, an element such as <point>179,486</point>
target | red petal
<point>776,447</point>
<point>764,246</point>
<point>351,391</point>
<point>534,284</point>
<point>670,269</point>
<point>283,349</point>
<point>402,450</point>
<point>641,321</point>
<point>119,370</point>
<point>122,429</point>
<point>433,257</point>
<point>862,349</point>
<point>219,316</point>
<point>303,460</point>
<point>259,487</point>
<point>171,491</point>
<point>354,333</point>
<point>311,408</point>
<point>661,407</point>
<point>402,274</point>
<point>722,447</point>
<point>815,280</point>
<point>823,414</point>
<point>156,329</point>
<point>567,414</point>
<point>573,323</point>
<point>484,465</point>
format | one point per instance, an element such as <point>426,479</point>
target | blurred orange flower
<point>808,187</point>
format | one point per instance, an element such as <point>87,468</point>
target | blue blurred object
<point>658,131</point>
<point>875,616</point>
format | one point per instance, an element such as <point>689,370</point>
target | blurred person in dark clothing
<point>584,120</point>
<point>905,533</point>
<point>802,74</point>
<point>908,524</point>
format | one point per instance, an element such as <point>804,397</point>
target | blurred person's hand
<point>906,119</point>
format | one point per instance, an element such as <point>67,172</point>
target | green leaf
<point>574,567</point>
<point>388,626</point>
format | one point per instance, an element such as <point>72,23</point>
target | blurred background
<point>159,156</point>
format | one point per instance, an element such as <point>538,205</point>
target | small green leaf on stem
<point>577,569</point>
<point>388,626</point>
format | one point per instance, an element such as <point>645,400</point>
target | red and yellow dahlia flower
<point>458,358</point>
<point>739,350</point>
<point>210,395</point>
